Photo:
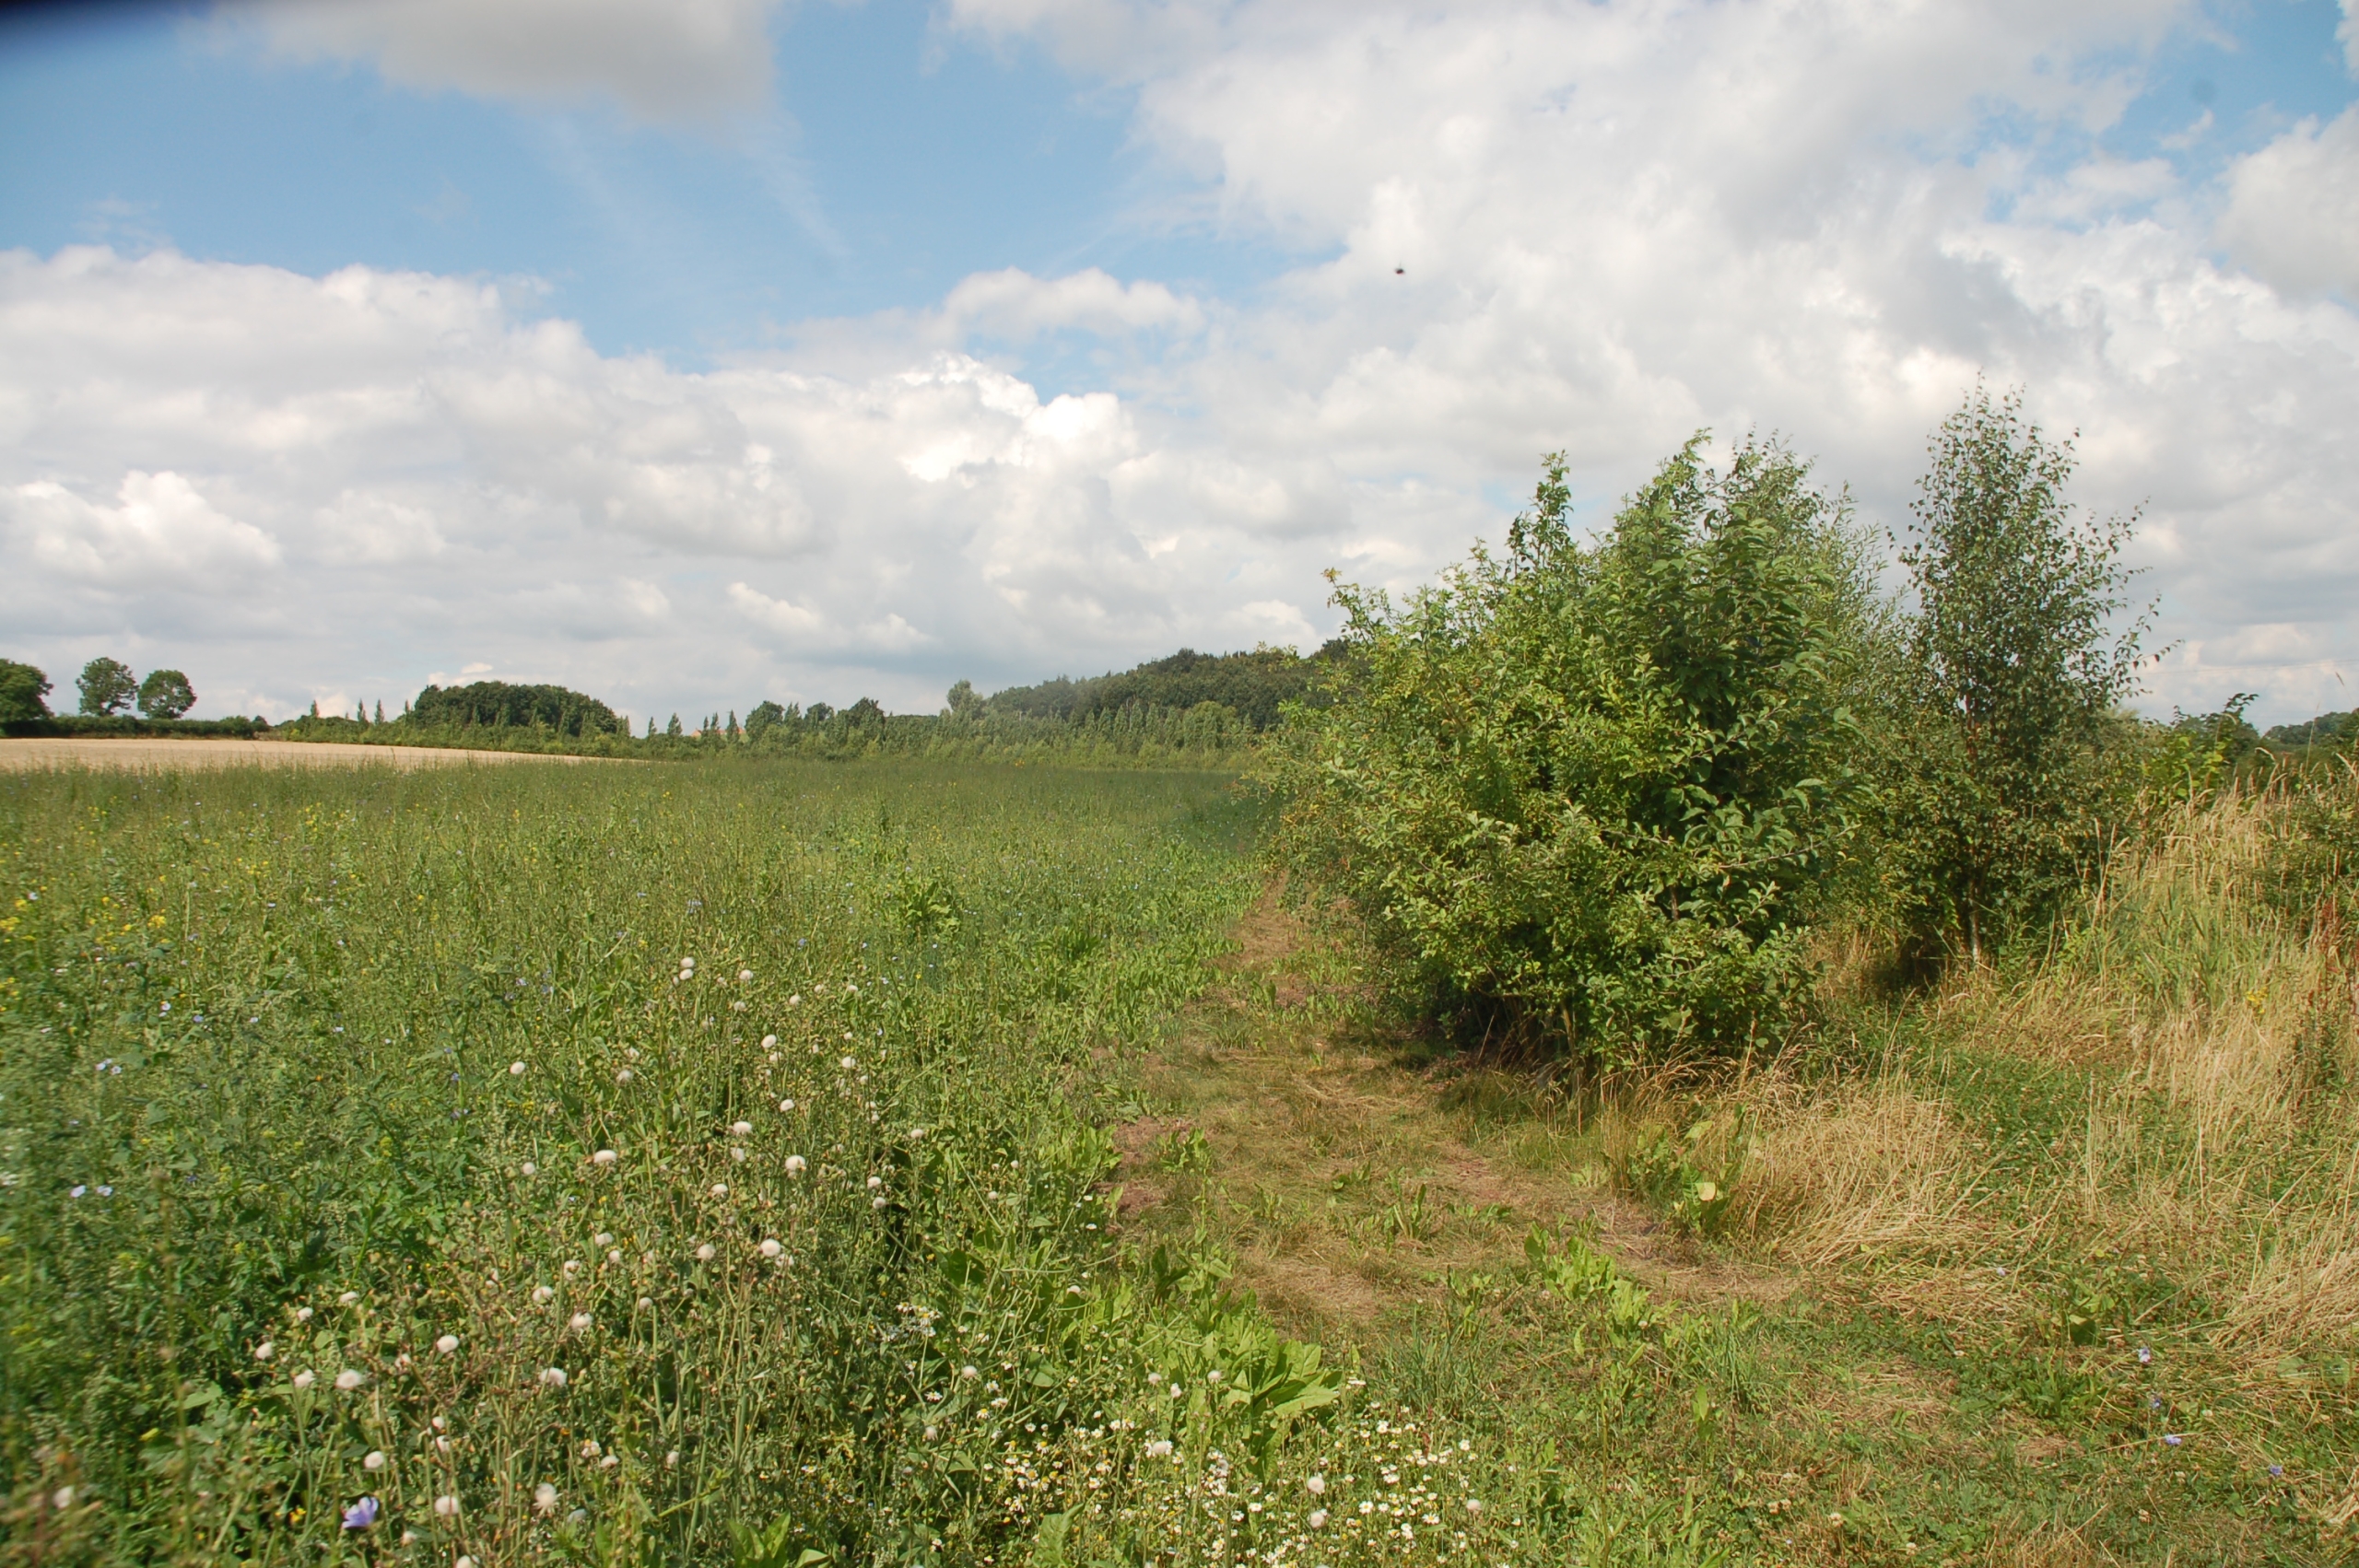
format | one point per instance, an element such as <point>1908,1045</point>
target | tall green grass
<point>633,1165</point>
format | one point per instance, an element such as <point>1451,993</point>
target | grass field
<point>1011,1178</point>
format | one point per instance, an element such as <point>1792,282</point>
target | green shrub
<point>22,691</point>
<point>1602,788</point>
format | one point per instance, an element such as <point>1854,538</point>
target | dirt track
<point>18,756</point>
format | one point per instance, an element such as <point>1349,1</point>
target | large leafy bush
<point>1598,788</point>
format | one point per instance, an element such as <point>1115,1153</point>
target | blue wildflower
<point>361,1515</point>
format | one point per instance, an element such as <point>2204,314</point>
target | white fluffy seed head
<point>874,1183</point>
<point>578,1322</point>
<point>447,1343</point>
<point>349,1298</point>
<point>265,1350</point>
<point>349,1379</point>
<point>741,1129</point>
<point>542,1294</point>
<point>705,1253</point>
<point>553,1376</point>
<point>447,1505</point>
<point>544,1498</point>
<point>794,1166</point>
<point>604,1157</point>
<point>744,974</point>
<point>770,1247</point>
<point>516,1070</point>
<point>306,1377</point>
<point>1316,1486</point>
<point>375,1461</point>
<point>721,1190</point>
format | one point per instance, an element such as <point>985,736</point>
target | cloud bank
<point>676,60</point>
<point>1528,228</point>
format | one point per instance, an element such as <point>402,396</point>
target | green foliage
<point>497,704</point>
<point>1998,802</point>
<point>2327,730</point>
<point>1253,686</point>
<point>1687,1177</point>
<point>258,1127</point>
<point>24,691</point>
<point>760,721</point>
<point>106,687</point>
<point>166,695</point>
<point>1603,787</point>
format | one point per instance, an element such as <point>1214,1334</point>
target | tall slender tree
<point>2017,666</point>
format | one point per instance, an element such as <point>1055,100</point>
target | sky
<point>692,353</point>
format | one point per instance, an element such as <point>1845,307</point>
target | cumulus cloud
<point>661,59</point>
<point>163,537</point>
<point>1523,227</point>
<point>2293,214</point>
<point>424,476</point>
<point>1013,303</point>
<point>1599,228</point>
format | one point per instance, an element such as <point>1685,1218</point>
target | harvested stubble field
<point>19,755</point>
<point>797,1164</point>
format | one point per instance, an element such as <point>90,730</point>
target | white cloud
<point>661,59</point>
<point>1601,227</point>
<point>1014,304</point>
<point>430,475</point>
<point>164,537</point>
<point>2292,213</point>
<point>1527,226</point>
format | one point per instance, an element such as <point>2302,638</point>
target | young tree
<point>766,716</point>
<point>106,687</point>
<point>965,701</point>
<point>22,691</point>
<point>166,694</point>
<point>2017,670</point>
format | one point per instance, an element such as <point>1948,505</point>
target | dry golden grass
<point>150,756</point>
<point>2214,1036</point>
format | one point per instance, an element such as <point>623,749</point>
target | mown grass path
<point>1407,1207</point>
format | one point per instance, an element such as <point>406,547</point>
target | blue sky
<point>897,158</point>
<point>996,338</point>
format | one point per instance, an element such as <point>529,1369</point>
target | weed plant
<point>619,1166</point>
